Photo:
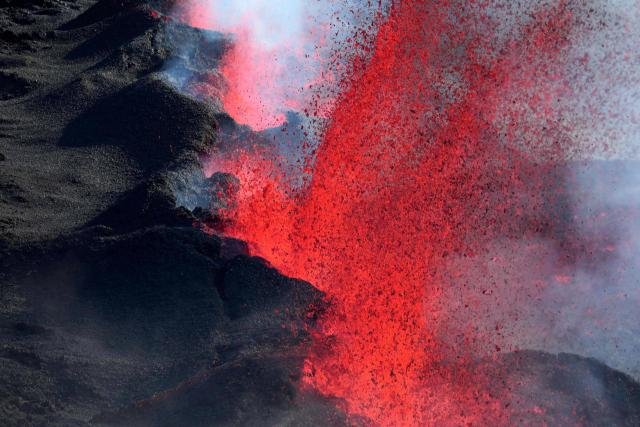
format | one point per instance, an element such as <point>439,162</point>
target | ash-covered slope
<point>109,296</point>
<point>114,310</point>
<point>86,115</point>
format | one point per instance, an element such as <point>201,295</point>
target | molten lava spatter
<point>438,212</point>
<point>412,169</point>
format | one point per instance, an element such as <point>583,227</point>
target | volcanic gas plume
<point>444,183</point>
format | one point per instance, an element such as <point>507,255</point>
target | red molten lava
<point>412,170</point>
<point>250,68</point>
<point>277,59</point>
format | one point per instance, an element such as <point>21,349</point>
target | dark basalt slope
<point>109,295</point>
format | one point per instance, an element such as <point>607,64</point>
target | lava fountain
<point>281,57</point>
<point>426,158</point>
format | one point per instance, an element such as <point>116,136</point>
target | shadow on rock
<point>149,120</point>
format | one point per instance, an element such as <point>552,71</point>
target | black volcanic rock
<point>226,395</point>
<point>156,307</point>
<point>119,31</point>
<point>13,86</point>
<point>148,204</point>
<point>80,133</point>
<point>100,11</point>
<point>248,287</point>
<point>109,295</point>
<point>149,120</point>
<point>564,389</point>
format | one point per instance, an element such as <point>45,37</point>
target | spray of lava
<point>282,57</point>
<point>447,139</point>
